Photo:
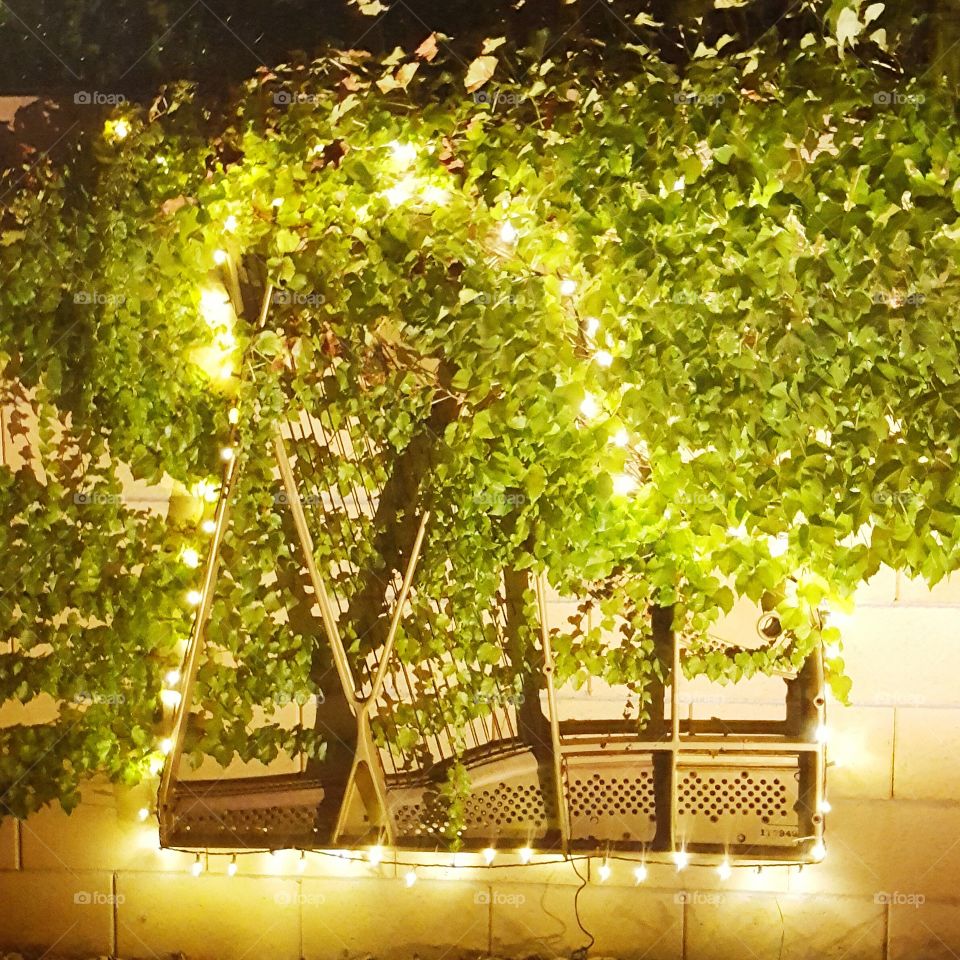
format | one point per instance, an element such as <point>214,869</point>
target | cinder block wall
<point>95,883</point>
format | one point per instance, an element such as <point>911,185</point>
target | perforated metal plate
<point>611,800</point>
<point>724,801</point>
<point>273,813</point>
<point>509,806</point>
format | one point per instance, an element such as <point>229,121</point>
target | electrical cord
<point>582,952</point>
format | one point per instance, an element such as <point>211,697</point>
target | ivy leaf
<point>535,482</point>
<point>848,27</point>
<point>479,72</point>
<point>489,653</point>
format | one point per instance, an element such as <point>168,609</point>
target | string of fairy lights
<point>217,360</point>
<point>406,870</point>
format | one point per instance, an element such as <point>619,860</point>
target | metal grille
<point>744,793</point>
<point>611,799</point>
<point>613,796</point>
<point>501,809</point>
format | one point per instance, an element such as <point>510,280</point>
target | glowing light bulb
<point>399,193</point>
<point>822,733</point>
<point>166,745</point>
<point>724,871</point>
<point>230,224</point>
<point>206,489</point>
<point>681,858</point>
<point>825,806</point>
<point>435,195</point>
<point>226,454</point>
<point>170,698</point>
<point>121,129</point>
<point>624,484</point>
<point>215,308</point>
<point>375,855</point>
<point>778,545</point>
<point>403,153</point>
<point>197,867</point>
<point>603,358</point>
<point>621,438</point>
<point>208,526</point>
<point>194,597</point>
<point>589,407</point>
<point>604,872</point>
<point>190,557</point>
<point>220,257</point>
<point>593,325</point>
<point>818,851</point>
<point>143,813</point>
<point>410,878</point>
<point>232,867</point>
<point>568,287</point>
<point>525,854</point>
<point>488,855</point>
<point>276,203</point>
<point>508,232</point>
<point>233,416</point>
<point>640,873</point>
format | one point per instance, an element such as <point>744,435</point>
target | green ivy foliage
<point>672,340</point>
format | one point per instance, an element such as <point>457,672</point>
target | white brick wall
<point>895,828</point>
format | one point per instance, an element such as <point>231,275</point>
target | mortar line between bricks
<point>865,897</point>
<point>114,917</point>
<point>300,915</point>
<point>683,929</point>
<point>489,919</point>
<point>886,932</point>
<point>893,756</point>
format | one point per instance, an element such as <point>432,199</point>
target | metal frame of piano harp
<point>748,791</point>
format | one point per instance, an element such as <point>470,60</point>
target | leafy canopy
<point>673,340</point>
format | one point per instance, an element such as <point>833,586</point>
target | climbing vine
<point>672,338</point>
